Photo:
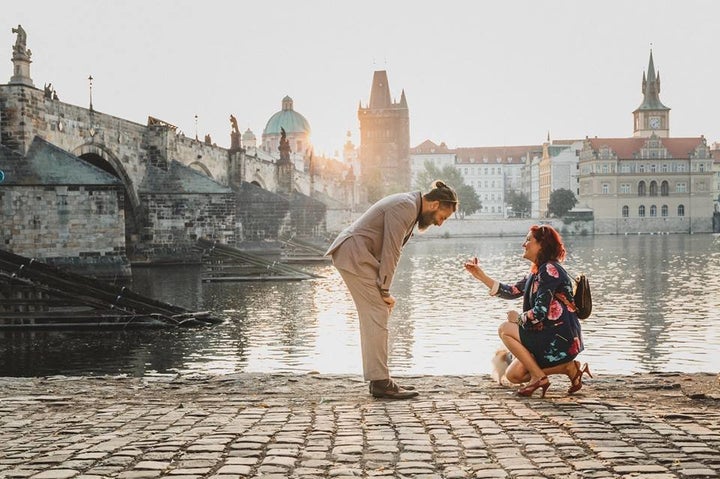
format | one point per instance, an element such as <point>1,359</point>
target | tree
<point>468,198</point>
<point>561,201</point>
<point>519,202</point>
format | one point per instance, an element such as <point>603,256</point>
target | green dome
<point>287,118</point>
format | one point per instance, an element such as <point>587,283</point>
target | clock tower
<point>651,117</point>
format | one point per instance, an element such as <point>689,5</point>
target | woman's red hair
<point>551,245</point>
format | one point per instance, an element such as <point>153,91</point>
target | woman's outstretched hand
<point>472,267</point>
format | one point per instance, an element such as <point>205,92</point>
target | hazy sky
<point>476,73</point>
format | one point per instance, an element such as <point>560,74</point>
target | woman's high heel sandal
<point>528,390</point>
<point>577,379</point>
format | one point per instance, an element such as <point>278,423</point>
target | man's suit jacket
<point>371,246</point>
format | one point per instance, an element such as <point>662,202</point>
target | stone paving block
<point>56,474</point>
<point>279,461</point>
<point>345,471</point>
<point>240,469</point>
<point>20,473</point>
<point>640,468</point>
<point>139,474</point>
<point>490,473</point>
<point>698,472</point>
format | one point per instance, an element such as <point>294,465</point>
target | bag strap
<point>564,301</point>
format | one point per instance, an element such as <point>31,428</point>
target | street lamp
<point>90,79</point>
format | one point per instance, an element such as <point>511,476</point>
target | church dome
<point>248,135</point>
<point>287,118</point>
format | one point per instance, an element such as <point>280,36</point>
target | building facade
<point>492,171</point>
<point>558,169</point>
<point>650,182</point>
<point>429,153</point>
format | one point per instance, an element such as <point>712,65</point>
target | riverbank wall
<point>505,227</point>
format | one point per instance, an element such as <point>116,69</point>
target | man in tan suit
<point>366,254</point>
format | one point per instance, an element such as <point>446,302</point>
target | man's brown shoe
<point>407,388</point>
<point>387,388</point>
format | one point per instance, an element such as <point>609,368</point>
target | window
<point>653,188</point>
<point>664,168</point>
<point>625,211</point>
<point>664,210</point>
<point>653,211</point>
<point>605,188</point>
<point>625,169</point>
<point>641,188</point>
<point>681,210</point>
<point>664,188</point>
<point>701,166</point>
<point>641,168</point>
<point>653,168</point>
<point>680,187</point>
<point>624,188</point>
<point>641,211</point>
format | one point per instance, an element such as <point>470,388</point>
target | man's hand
<point>390,301</point>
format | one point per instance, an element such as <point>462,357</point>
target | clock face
<point>654,122</point>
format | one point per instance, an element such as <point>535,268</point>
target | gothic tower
<point>384,141</point>
<point>651,117</point>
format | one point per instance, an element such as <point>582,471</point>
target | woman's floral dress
<point>549,326</point>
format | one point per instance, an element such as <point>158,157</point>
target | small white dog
<point>500,361</point>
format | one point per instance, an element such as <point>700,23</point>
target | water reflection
<point>655,309</point>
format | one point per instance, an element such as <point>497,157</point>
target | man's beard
<point>426,220</point>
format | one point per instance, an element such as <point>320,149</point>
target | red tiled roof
<point>428,146</point>
<point>625,148</point>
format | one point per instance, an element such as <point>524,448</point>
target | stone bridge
<point>172,189</point>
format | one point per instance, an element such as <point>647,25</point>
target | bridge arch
<point>199,166</point>
<point>103,158</point>
<point>258,180</point>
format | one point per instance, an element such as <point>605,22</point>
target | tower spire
<point>651,88</point>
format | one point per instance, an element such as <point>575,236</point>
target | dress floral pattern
<point>549,326</point>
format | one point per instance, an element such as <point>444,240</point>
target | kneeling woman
<point>545,338</point>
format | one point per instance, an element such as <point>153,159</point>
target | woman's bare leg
<point>510,335</point>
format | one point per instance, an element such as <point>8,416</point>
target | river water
<point>656,308</point>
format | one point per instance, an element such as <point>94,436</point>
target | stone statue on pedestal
<point>234,134</point>
<point>20,47</point>
<point>21,59</point>
<point>284,147</point>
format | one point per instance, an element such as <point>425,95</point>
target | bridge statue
<point>233,122</point>
<point>284,147</point>
<point>20,47</point>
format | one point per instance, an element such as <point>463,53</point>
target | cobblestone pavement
<point>318,426</point>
